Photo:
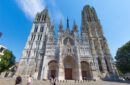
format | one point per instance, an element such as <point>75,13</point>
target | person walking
<point>29,80</point>
<point>54,79</point>
<point>18,80</point>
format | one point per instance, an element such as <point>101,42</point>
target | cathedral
<point>67,54</point>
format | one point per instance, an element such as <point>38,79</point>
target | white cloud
<point>55,12</point>
<point>31,7</point>
<point>53,2</point>
<point>56,15</point>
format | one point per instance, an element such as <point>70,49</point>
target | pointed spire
<point>67,22</point>
<point>68,42</point>
<point>37,17</point>
<point>45,11</point>
<point>51,28</point>
<point>60,26</point>
<point>61,23</point>
<point>67,29</point>
<point>74,26</point>
<point>83,28</point>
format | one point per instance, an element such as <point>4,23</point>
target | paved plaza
<point>40,82</point>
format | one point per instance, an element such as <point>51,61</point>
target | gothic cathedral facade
<point>69,55</point>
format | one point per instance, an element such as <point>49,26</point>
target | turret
<point>60,27</point>
<point>43,17</point>
<point>67,28</point>
<point>89,14</point>
<point>75,27</point>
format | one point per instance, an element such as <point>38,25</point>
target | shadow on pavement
<point>118,81</point>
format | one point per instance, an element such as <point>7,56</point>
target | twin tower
<point>70,55</point>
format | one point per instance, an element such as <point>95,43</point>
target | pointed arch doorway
<point>53,67</point>
<point>69,68</point>
<point>85,69</point>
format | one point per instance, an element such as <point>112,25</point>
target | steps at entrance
<point>11,81</point>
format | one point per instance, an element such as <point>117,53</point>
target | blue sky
<point>16,17</point>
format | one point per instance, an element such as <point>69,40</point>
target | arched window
<point>70,41</point>
<point>41,29</point>
<point>100,64</point>
<point>33,37</point>
<point>36,28</point>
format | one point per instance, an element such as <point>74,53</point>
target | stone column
<point>94,54</point>
<point>109,58</point>
<point>45,73</point>
<point>94,73</point>
<point>61,73</point>
<point>38,61</point>
<point>102,56</point>
<point>110,63</point>
<point>79,71</point>
<point>79,67</point>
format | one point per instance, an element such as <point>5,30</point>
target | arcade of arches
<point>70,69</point>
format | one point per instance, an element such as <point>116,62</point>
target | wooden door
<point>84,74</point>
<point>68,73</point>
<point>53,73</point>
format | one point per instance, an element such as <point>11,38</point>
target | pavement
<point>11,81</point>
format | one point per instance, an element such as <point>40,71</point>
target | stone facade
<point>69,55</point>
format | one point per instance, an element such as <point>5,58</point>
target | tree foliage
<point>123,58</point>
<point>7,60</point>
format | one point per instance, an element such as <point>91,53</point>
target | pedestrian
<point>50,80</point>
<point>18,80</point>
<point>54,83</point>
<point>53,80</point>
<point>29,80</point>
<point>53,77</point>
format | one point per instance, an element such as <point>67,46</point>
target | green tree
<point>123,58</point>
<point>6,61</point>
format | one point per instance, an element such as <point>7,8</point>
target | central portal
<point>69,68</point>
<point>68,73</point>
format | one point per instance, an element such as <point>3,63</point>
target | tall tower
<point>98,44</point>
<point>33,54</point>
